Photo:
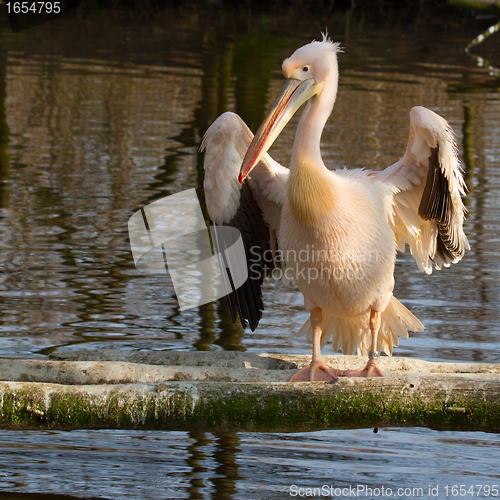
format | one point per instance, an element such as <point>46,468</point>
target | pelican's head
<point>306,71</point>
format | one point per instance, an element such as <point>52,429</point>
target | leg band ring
<point>373,355</point>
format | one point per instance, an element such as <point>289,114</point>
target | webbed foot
<point>317,371</point>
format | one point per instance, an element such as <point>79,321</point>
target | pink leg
<point>371,369</point>
<point>317,370</point>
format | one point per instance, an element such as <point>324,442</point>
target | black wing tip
<point>247,301</point>
<point>436,204</point>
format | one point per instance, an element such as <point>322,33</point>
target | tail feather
<point>352,335</point>
<point>409,319</point>
<point>306,329</point>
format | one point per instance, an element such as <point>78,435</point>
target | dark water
<point>102,115</point>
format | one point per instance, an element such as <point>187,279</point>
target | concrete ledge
<point>241,392</point>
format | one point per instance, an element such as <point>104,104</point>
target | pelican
<point>335,232</point>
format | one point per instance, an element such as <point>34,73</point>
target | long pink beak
<point>293,95</point>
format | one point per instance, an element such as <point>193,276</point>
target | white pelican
<point>337,230</point>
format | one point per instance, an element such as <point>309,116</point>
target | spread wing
<point>253,208</point>
<point>428,212</point>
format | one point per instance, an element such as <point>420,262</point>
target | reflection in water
<point>4,140</point>
<point>195,465</point>
<point>92,131</point>
<point>197,456</point>
<point>226,474</point>
<point>469,161</point>
<point>253,63</point>
<point>481,62</point>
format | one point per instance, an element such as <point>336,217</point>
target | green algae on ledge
<point>445,403</point>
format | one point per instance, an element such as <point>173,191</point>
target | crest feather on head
<point>315,52</point>
<point>335,45</point>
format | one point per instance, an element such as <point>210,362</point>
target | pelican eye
<point>305,69</point>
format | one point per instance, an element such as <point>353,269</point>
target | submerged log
<point>241,392</point>
<point>490,6</point>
